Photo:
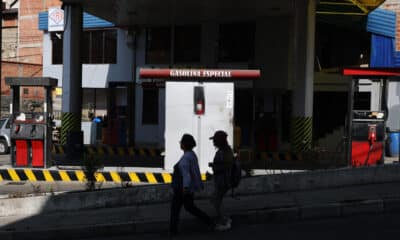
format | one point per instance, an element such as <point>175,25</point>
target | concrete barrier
<point>151,194</point>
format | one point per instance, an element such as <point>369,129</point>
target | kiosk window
<point>150,106</point>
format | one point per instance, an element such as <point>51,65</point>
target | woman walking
<point>186,180</point>
<point>221,165</point>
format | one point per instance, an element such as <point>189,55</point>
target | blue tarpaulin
<point>382,24</point>
<point>382,51</point>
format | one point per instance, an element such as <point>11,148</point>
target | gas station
<point>283,64</point>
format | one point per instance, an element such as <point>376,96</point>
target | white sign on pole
<point>56,20</point>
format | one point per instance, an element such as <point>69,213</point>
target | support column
<point>71,134</point>
<point>303,89</point>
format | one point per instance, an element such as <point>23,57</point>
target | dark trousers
<point>187,200</point>
<point>219,194</point>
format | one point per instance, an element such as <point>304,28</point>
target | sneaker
<point>222,227</point>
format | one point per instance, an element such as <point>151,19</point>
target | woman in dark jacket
<point>186,180</point>
<point>221,165</point>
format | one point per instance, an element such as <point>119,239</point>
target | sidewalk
<point>141,218</point>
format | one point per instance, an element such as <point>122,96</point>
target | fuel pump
<point>367,138</point>
<point>31,121</point>
<point>366,129</point>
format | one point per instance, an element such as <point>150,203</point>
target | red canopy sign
<point>371,72</point>
<point>198,73</point>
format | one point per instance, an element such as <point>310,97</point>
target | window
<point>57,50</point>
<point>8,125</point>
<point>158,45</point>
<point>2,122</point>
<point>98,46</point>
<point>187,43</point>
<point>26,91</point>
<point>150,106</point>
<point>236,42</point>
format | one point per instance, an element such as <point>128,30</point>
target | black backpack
<point>236,175</point>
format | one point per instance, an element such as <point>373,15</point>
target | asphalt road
<point>362,227</point>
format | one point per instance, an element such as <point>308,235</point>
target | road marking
<point>167,177</point>
<point>115,177</point>
<point>30,175</point>
<point>134,177</point>
<point>150,177</point>
<point>80,175</point>
<point>47,176</point>
<point>64,176</point>
<point>14,176</point>
<point>99,177</point>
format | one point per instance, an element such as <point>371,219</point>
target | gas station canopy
<point>126,13</point>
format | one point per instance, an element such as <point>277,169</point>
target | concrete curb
<point>148,194</point>
<point>279,215</point>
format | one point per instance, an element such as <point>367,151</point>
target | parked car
<point>5,131</point>
<point>5,142</point>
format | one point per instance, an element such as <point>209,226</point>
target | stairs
<point>331,141</point>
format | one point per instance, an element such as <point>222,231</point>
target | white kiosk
<point>198,102</point>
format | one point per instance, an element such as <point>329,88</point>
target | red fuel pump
<point>366,129</point>
<point>367,139</point>
<point>31,121</point>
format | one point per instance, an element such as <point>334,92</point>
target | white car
<point>5,142</point>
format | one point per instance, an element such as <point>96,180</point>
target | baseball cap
<point>219,135</point>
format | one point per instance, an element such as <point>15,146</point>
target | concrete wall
<point>152,194</point>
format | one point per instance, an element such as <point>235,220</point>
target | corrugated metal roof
<point>382,22</point>
<point>89,21</point>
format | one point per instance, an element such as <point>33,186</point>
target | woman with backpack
<point>186,180</point>
<point>222,166</point>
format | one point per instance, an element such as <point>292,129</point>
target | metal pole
<point>350,120</point>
